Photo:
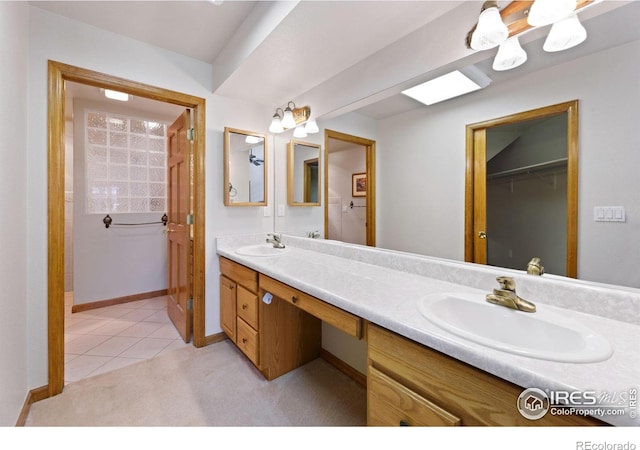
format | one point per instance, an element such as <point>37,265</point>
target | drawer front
<point>337,317</point>
<point>247,341</point>
<point>392,404</point>
<point>247,306</point>
<point>240,274</point>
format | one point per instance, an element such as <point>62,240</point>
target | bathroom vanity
<point>272,305</point>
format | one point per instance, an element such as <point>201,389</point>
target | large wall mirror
<point>522,184</point>
<point>303,174</point>
<point>245,168</point>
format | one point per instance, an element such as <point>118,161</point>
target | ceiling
<point>337,56</point>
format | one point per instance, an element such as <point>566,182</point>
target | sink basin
<point>261,250</point>
<point>544,334</point>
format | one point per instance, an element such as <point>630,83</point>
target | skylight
<point>450,85</point>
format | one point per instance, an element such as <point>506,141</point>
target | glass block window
<point>126,164</point>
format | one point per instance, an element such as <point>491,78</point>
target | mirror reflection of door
<point>348,217</point>
<point>311,181</point>
<point>245,155</point>
<point>524,190</point>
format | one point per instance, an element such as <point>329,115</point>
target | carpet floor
<point>210,386</point>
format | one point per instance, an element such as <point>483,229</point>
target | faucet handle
<point>507,283</point>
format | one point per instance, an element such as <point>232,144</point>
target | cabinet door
<point>228,307</point>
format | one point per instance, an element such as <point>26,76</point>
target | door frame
<point>475,181</point>
<point>370,155</point>
<point>58,74</point>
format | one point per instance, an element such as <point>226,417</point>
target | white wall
<point>14,326</point>
<point>60,39</point>
<point>421,161</point>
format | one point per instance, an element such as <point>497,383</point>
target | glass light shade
<point>510,55</point>
<point>253,139</point>
<point>545,12</point>
<point>491,30</point>
<point>311,126</point>
<point>565,34</point>
<point>115,95</point>
<point>276,125</point>
<point>287,120</point>
<point>299,132</point>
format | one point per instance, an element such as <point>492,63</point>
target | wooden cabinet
<point>278,336</point>
<point>410,384</point>
<point>238,307</point>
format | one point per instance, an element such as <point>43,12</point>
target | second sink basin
<point>544,334</point>
<point>261,250</point>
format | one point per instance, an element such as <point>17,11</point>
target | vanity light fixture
<point>293,117</point>
<point>115,95</point>
<point>450,85</point>
<point>521,16</point>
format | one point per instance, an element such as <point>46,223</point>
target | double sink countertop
<point>384,287</point>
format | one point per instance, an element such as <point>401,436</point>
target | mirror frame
<point>475,180</point>
<point>227,149</point>
<point>290,172</point>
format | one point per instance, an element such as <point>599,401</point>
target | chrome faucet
<point>313,234</point>
<point>506,296</point>
<point>275,239</point>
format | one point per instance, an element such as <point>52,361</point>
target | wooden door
<point>179,305</point>
<point>480,197</point>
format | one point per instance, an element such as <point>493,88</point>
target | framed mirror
<point>303,174</point>
<point>245,168</point>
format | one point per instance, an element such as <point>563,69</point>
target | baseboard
<point>212,339</point>
<point>117,301</point>
<point>343,367</point>
<point>34,395</point>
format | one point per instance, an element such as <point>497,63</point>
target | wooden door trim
<point>58,74</point>
<point>471,175</point>
<point>370,155</point>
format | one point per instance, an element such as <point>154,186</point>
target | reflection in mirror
<point>523,195</point>
<point>303,186</point>
<point>245,168</point>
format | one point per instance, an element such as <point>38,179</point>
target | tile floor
<point>104,339</point>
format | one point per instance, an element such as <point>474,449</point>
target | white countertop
<point>389,297</point>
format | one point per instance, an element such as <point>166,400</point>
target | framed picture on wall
<point>359,185</point>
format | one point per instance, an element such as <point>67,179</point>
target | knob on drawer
<point>294,299</point>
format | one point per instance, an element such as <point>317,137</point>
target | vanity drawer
<point>330,314</point>
<point>240,274</point>
<point>247,341</point>
<point>247,306</point>
<point>392,404</point>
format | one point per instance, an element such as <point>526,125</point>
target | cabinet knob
<point>244,306</point>
<point>294,299</point>
<point>244,340</point>
<point>404,423</point>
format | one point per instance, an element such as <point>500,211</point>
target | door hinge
<point>190,304</point>
<point>189,219</point>
<point>191,134</point>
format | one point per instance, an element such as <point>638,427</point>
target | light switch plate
<point>280,210</point>
<point>609,214</point>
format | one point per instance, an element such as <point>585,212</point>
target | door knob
<point>482,234</point>
<point>169,231</point>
